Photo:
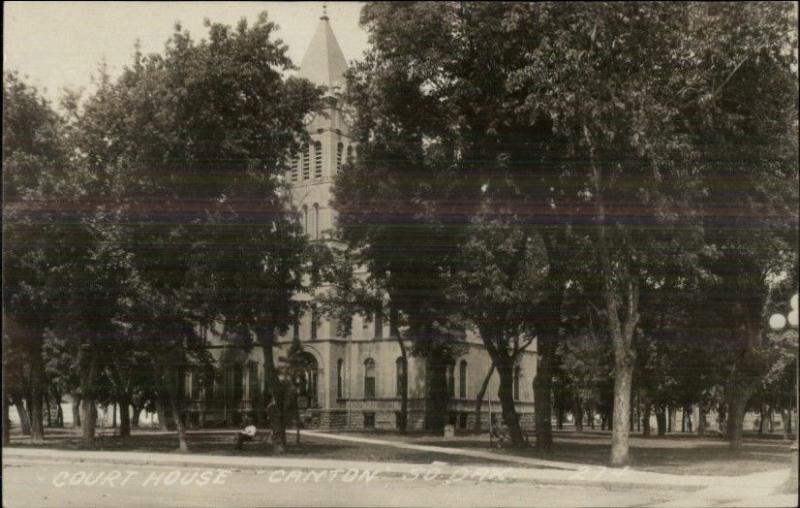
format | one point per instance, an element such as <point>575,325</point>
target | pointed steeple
<point>324,63</point>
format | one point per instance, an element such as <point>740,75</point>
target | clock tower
<point>312,170</point>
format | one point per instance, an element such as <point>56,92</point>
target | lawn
<point>220,443</point>
<point>674,454</point>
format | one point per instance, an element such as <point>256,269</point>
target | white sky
<point>59,44</point>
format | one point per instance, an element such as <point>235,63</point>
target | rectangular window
<point>340,379</point>
<point>369,387</point>
<point>369,420</point>
<point>314,322</point>
<point>188,385</point>
<point>238,382</point>
<point>252,378</point>
<point>462,420</point>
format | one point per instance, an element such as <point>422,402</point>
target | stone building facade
<point>353,381</point>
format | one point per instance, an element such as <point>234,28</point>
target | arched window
<point>369,378</point>
<point>401,367</point>
<point>305,219</point>
<point>306,164</point>
<point>462,379</point>
<point>516,382</point>
<point>349,154</point>
<point>310,376</point>
<point>340,379</point>
<point>316,221</point>
<point>451,379</point>
<point>317,159</point>
<point>339,153</point>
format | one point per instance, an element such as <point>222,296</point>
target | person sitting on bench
<point>246,434</point>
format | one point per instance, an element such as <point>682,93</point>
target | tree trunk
<point>661,419</point>
<point>24,418</point>
<point>669,415</point>
<point>736,409</point>
<point>122,398</point>
<point>701,420</point>
<point>623,376</point>
<point>76,410</point>
<point>436,391</point>
<point>59,414</point>
<point>761,416</point>
<point>124,416</point>
<point>543,383</point>
<point>89,410</point>
<point>395,332</point>
<point>621,323</point>
<point>590,417</point>
<point>276,390</point>
<point>479,398</point>
<point>578,414</point>
<point>136,411</point>
<point>47,409</point>
<point>560,418</point>
<point>505,368</point>
<point>6,419</point>
<point>37,397</point>
<point>170,384</point>
<point>787,426</point>
<point>683,420</point>
<point>161,412</point>
<point>88,371</point>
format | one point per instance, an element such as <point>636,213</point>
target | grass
<point>674,454</point>
<point>218,443</point>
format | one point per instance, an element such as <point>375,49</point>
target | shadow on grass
<point>222,444</point>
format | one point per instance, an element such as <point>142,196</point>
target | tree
<point>406,203</point>
<point>496,286</point>
<point>199,203</point>
<point>638,132</point>
<point>34,162</point>
<point>744,124</point>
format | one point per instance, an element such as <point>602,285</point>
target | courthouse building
<point>353,381</point>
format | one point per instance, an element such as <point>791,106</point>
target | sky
<point>60,44</point>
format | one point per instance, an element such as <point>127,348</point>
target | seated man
<point>246,434</point>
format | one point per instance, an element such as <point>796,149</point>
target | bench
<point>261,437</point>
<point>499,437</point>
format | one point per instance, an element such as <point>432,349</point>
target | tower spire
<point>323,63</point>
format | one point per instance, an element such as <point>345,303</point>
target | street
<point>37,483</point>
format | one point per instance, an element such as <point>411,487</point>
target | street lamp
<point>778,322</point>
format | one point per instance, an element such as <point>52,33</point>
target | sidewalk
<point>761,483</point>
<point>757,490</point>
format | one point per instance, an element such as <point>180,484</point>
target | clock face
<point>309,118</point>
